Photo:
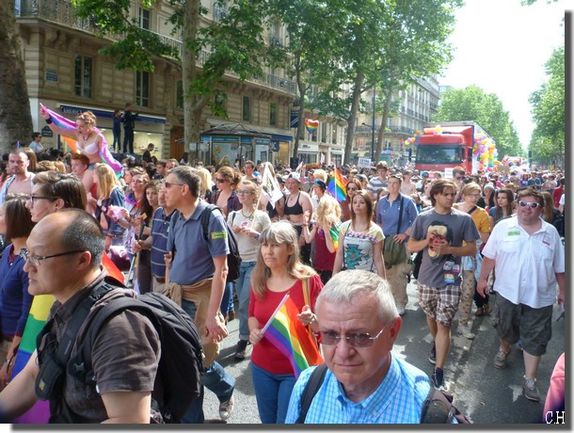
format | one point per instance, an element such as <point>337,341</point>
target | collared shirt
<point>397,400</point>
<point>193,257</point>
<point>388,214</point>
<point>526,264</point>
<point>376,184</point>
<point>159,228</point>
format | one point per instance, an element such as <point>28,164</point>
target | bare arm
<point>254,330</point>
<point>329,241</point>
<point>561,280</point>
<point>215,327</point>
<point>339,258</point>
<point>127,407</point>
<point>414,246</point>
<point>486,269</point>
<point>19,394</point>
<point>379,260</point>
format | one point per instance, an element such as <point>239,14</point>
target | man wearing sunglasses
<point>528,258</point>
<point>365,383</point>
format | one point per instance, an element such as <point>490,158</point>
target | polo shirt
<point>388,214</point>
<point>397,400</point>
<point>159,228</point>
<point>193,256</point>
<point>526,264</point>
<point>376,184</point>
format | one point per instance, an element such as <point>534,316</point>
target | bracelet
<point>49,120</point>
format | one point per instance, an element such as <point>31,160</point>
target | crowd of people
<point>345,264</point>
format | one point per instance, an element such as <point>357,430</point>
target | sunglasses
<point>219,180</point>
<point>531,205</point>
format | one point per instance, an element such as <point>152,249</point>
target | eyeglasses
<point>351,189</point>
<point>530,204</point>
<point>219,180</point>
<point>41,197</point>
<point>35,260</point>
<point>169,184</point>
<point>359,339</point>
<point>244,191</point>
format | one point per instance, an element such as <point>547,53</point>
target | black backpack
<point>233,258</point>
<point>177,381</point>
<point>437,407</point>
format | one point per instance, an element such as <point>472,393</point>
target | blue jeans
<point>215,378</point>
<point>243,288</point>
<point>272,392</point>
<point>227,299</point>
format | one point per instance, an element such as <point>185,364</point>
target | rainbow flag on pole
<point>291,337</point>
<point>336,186</point>
<point>334,234</point>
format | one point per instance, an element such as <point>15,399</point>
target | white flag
<point>269,185</point>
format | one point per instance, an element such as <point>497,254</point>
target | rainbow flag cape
<point>334,234</point>
<point>291,337</point>
<point>69,135</point>
<point>336,186</point>
<point>39,311</point>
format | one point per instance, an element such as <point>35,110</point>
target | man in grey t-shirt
<point>439,234</point>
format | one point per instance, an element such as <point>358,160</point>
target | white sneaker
<point>401,311</point>
<point>225,408</point>
<point>465,331</point>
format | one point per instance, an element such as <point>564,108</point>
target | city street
<point>485,394</point>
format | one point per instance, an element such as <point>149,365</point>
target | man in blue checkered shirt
<point>365,383</point>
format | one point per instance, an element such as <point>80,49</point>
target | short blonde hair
<point>205,178</point>
<point>320,174</point>
<point>328,211</point>
<point>470,188</point>
<point>106,180</point>
<point>88,118</point>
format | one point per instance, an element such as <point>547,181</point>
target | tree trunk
<point>15,117</point>
<point>385,116</point>
<point>191,11</point>
<point>301,114</point>
<point>352,119</point>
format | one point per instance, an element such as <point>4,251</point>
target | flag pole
<point>274,313</point>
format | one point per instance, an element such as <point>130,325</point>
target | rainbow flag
<point>39,311</point>
<point>334,234</point>
<point>291,337</point>
<point>69,130</point>
<point>337,187</point>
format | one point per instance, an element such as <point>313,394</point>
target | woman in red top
<point>278,271</point>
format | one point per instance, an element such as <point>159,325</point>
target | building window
<point>83,76</point>
<point>220,103</point>
<point>273,114</point>
<point>144,18</point>
<point>142,89</point>
<point>179,95</point>
<point>324,132</point>
<point>246,113</point>
<point>334,134</point>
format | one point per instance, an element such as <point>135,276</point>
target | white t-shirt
<point>526,264</point>
<point>248,246</point>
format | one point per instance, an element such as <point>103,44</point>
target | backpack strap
<point>205,216</point>
<point>315,381</point>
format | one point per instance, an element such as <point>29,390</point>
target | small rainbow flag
<point>37,317</point>
<point>334,234</point>
<point>337,187</point>
<point>291,337</point>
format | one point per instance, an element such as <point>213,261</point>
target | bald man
<point>63,259</point>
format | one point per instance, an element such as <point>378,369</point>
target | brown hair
<point>368,201</point>
<point>548,207</point>
<point>230,174</point>
<point>62,185</point>
<point>17,216</point>
<point>529,192</point>
<point>82,158</point>
<point>439,186</point>
<point>32,166</point>
<point>470,188</point>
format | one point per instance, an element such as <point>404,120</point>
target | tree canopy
<point>548,111</point>
<point>486,109</point>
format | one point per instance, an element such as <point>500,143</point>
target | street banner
<point>269,184</point>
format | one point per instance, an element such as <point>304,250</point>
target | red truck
<point>448,145</point>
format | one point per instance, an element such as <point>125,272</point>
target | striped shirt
<point>160,223</point>
<point>398,399</point>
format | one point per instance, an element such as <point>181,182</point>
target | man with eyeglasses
<point>439,233</point>
<point>528,257</point>
<point>63,259</point>
<point>365,383</point>
<point>20,182</point>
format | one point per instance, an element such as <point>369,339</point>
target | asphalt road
<point>487,395</point>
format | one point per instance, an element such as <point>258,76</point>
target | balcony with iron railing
<point>62,12</point>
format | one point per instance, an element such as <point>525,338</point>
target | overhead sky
<point>502,46</point>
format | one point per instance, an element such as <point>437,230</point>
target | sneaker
<point>465,331</point>
<point>530,390</point>
<point>438,378</point>
<point>225,408</point>
<point>241,349</point>
<point>432,356</point>
<point>500,358</point>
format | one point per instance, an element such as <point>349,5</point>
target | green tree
<point>15,117</point>
<point>232,43</point>
<point>312,46</point>
<point>486,109</point>
<point>548,111</point>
